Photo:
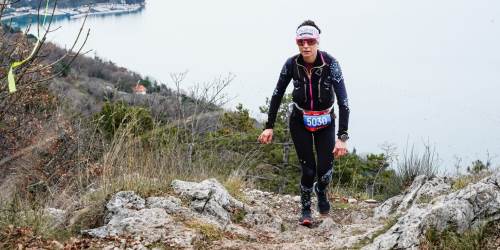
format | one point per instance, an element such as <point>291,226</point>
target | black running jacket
<point>313,91</point>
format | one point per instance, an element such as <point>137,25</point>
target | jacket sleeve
<point>279,91</point>
<point>341,94</point>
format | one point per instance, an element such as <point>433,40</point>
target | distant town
<point>72,9</point>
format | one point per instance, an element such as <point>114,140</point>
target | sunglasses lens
<point>309,41</point>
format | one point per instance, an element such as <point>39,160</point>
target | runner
<point>316,77</point>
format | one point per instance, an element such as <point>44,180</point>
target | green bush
<point>369,174</point>
<point>115,116</point>
<point>478,166</point>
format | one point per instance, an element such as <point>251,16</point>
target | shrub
<point>370,174</point>
<point>478,166</point>
<point>116,115</point>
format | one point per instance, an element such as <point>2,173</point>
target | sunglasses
<point>310,41</point>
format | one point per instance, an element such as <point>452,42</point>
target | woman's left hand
<point>340,149</point>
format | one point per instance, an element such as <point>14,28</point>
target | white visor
<point>307,32</point>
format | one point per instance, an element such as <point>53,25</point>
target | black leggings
<point>324,142</point>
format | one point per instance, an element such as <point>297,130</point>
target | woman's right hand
<point>266,136</point>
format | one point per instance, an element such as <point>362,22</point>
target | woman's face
<point>308,47</point>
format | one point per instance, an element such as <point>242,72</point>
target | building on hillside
<point>139,89</point>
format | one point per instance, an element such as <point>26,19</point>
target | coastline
<point>74,13</point>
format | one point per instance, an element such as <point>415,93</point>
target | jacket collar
<point>319,62</point>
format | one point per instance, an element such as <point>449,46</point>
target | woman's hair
<point>309,23</point>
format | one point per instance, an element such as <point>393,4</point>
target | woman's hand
<point>266,136</point>
<point>340,149</point>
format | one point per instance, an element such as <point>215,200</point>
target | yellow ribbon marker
<point>11,76</point>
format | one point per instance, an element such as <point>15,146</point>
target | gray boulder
<point>422,190</point>
<point>388,207</point>
<point>123,204</point>
<point>208,197</point>
<point>146,223</point>
<point>464,209</point>
<point>265,220</point>
<point>127,215</point>
<point>57,216</point>
<point>170,204</point>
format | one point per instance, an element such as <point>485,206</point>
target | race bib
<point>314,120</point>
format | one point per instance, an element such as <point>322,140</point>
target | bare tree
<point>16,46</point>
<point>195,109</point>
<point>37,70</point>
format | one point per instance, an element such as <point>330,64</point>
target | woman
<point>316,77</point>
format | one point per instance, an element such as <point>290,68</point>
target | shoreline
<point>79,12</point>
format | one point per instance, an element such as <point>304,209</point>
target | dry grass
<point>413,164</point>
<point>463,181</point>
<point>450,239</point>
<point>17,213</point>
<point>209,232</point>
<point>235,184</point>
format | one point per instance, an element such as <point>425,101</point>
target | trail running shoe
<point>305,200</point>
<point>306,218</point>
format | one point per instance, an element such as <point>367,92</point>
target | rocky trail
<point>205,216</point>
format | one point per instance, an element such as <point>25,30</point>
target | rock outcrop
<point>205,214</point>
<point>422,190</point>
<point>208,197</point>
<point>461,210</point>
<point>128,215</point>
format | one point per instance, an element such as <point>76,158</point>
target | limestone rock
<point>208,197</point>
<point>422,190</point>
<point>265,220</point>
<point>241,232</point>
<point>465,209</point>
<point>388,207</point>
<point>125,199</point>
<point>123,204</point>
<point>127,215</point>
<point>170,204</point>
<point>328,225</point>
<point>147,223</point>
<point>57,216</point>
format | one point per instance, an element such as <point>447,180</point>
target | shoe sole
<point>306,223</point>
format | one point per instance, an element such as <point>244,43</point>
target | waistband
<point>328,110</point>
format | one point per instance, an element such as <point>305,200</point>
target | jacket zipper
<point>309,75</point>
<point>310,80</point>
